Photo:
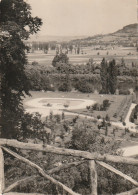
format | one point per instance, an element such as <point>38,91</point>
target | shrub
<point>49,105</point>
<point>124,92</point>
<point>64,87</point>
<point>98,117</point>
<point>106,104</point>
<point>96,106</point>
<point>34,63</point>
<point>132,120</point>
<point>124,123</point>
<point>107,118</point>
<point>66,105</point>
<point>84,87</point>
<point>88,107</point>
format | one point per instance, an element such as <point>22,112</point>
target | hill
<point>127,36</point>
<point>48,38</point>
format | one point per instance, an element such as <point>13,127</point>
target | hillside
<point>131,29</point>
<point>127,36</point>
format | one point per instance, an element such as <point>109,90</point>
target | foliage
<point>84,86</point>
<point>104,76</point>
<point>134,114</point>
<point>124,92</point>
<point>62,58</point>
<point>16,20</point>
<point>112,71</point>
<point>108,74</point>
<point>101,107</point>
<point>106,104</point>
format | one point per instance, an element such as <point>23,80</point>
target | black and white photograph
<point>68,97</point>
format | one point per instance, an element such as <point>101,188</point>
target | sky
<point>83,17</point>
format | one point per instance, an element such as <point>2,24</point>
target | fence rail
<point>93,158</point>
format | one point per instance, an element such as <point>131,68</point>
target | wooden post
<point>1,172</point>
<point>0,105</point>
<point>93,177</point>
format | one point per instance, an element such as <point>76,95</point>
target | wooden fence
<point>93,159</point>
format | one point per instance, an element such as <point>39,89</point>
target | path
<point>130,151</point>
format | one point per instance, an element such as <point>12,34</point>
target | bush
<point>98,117</point>
<point>88,107</point>
<point>124,123</point>
<point>64,87</point>
<point>96,106</point>
<point>132,120</point>
<point>34,63</point>
<point>84,87</point>
<point>124,92</point>
<point>107,118</point>
<point>106,104</point>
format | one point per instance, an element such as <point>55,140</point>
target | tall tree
<point>16,20</point>
<point>104,76</point>
<point>112,71</point>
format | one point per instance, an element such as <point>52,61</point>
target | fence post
<point>93,177</point>
<point>1,172</point>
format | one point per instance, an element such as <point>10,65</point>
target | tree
<point>16,20</point>
<point>71,48</point>
<point>104,76</point>
<point>112,71</point>
<point>123,62</point>
<point>60,58</point>
<point>78,50</point>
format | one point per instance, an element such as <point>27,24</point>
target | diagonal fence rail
<point>93,158</point>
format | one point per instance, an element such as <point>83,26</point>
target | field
<point>129,55</point>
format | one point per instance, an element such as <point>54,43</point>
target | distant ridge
<point>47,38</point>
<point>127,36</point>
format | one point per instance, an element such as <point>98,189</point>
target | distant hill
<point>129,29</point>
<point>127,36</point>
<point>47,38</point>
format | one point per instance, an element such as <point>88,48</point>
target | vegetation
<point>18,77</point>
<point>16,20</point>
<point>134,115</point>
<point>84,136</point>
<point>108,75</point>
